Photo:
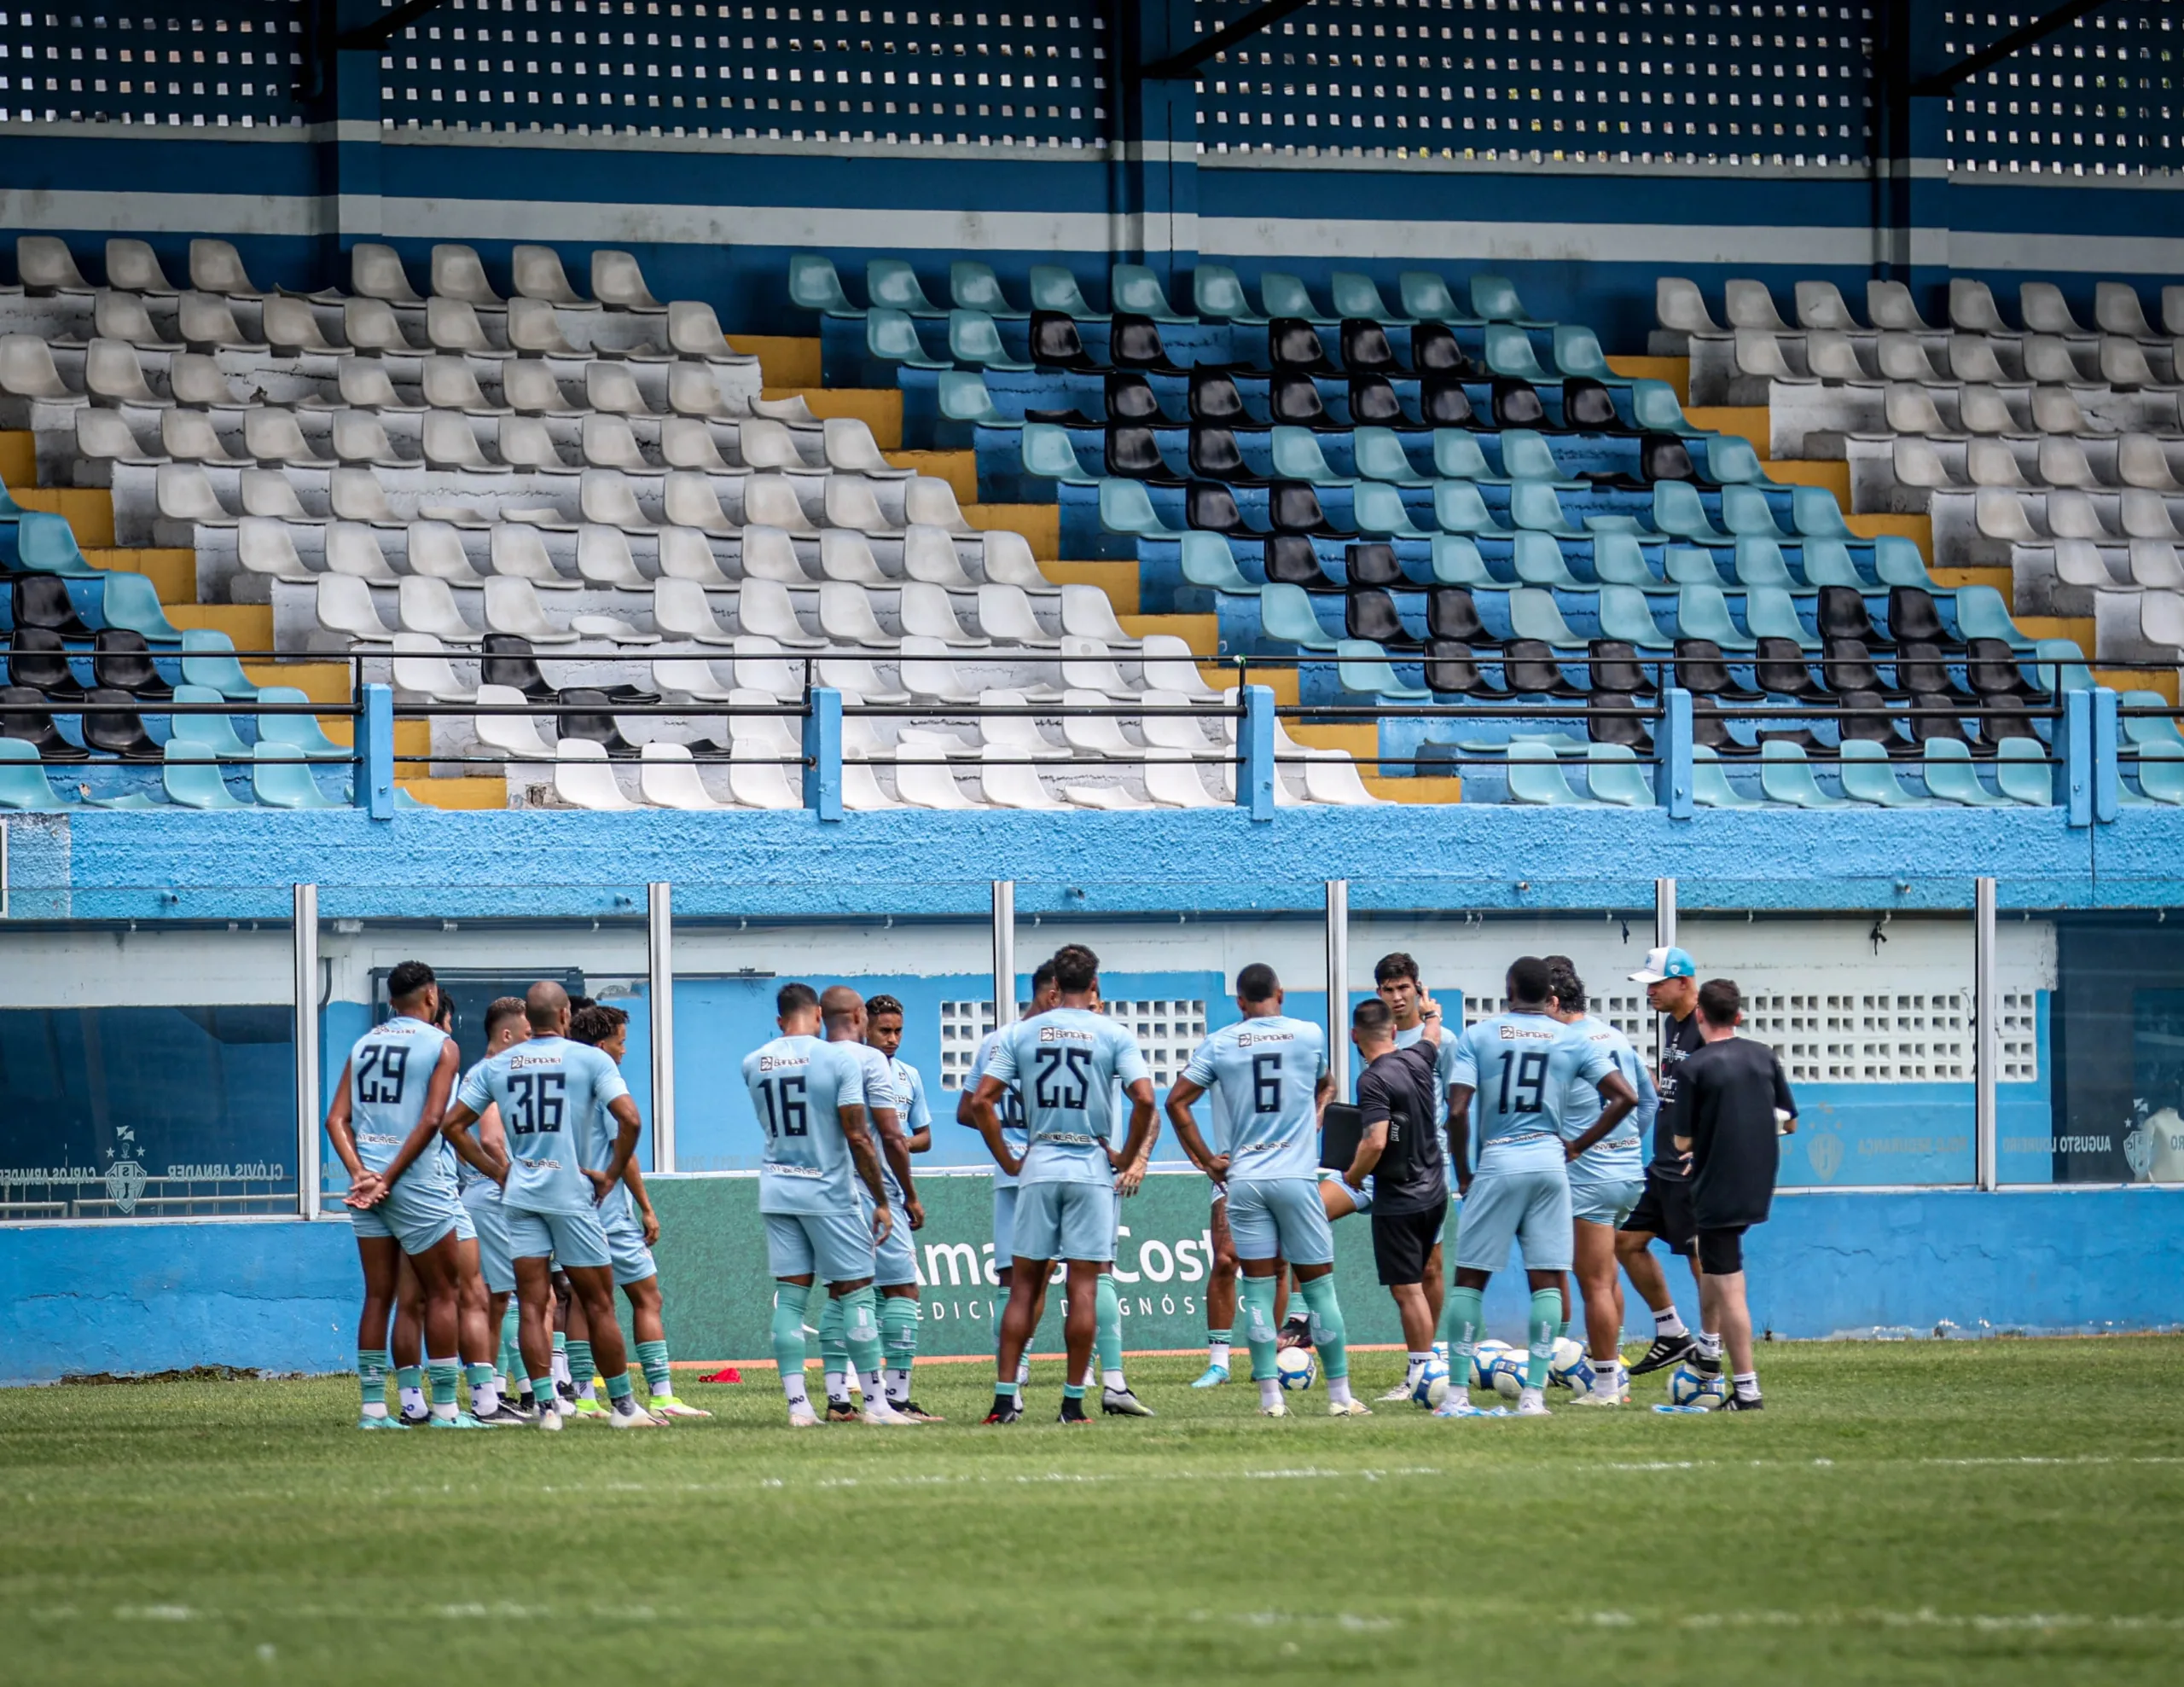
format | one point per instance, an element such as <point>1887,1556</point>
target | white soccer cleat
<point>667,1406</point>
<point>803,1417</point>
<point>881,1415</point>
<point>1349,1408</point>
<point>548,1417</point>
<point>1530,1404</point>
<point>1589,1399</point>
<point>1277,1410</point>
<point>1122,1403</point>
<point>1401,1391</point>
<point>636,1418</point>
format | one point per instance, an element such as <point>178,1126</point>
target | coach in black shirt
<point>1400,1150</point>
<point>1663,1210</point>
<point>1733,1104</point>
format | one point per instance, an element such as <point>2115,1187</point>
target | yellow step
<point>1202,633</point>
<point>2078,630</point>
<point>1040,523</point>
<point>1835,477</point>
<point>960,469</point>
<point>1428,788</point>
<point>173,574</point>
<point>1118,580</point>
<point>89,510</point>
<point>1281,682</point>
<point>1675,371</point>
<point>319,681</point>
<point>879,409</point>
<point>458,793</point>
<point>1999,578</point>
<point>784,361</point>
<point>249,626</point>
<point>1918,529</point>
<point>2162,681</point>
<point>18,460</point>
<point>411,738</point>
<point>1749,421</point>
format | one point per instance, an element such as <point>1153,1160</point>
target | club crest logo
<point>2138,1152</point>
<point>1826,1151</point>
<point>124,1177</point>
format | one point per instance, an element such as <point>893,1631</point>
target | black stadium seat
<point>1843,616</point>
<point>1134,343</point>
<point>1290,560</point>
<point>1529,666</point>
<point>1443,403</point>
<point>1937,715</point>
<point>1782,671</point>
<point>41,601</point>
<point>1866,716</point>
<point>1373,403</point>
<point>584,714</point>
<point>112,727</point>
<point>1055,343</point>
<point>1629,730</point>
<point>1914,617</point>
<point>1294,401</point>
<point>1991,667</point>
<point>124,663</point>
<point>1924,668</point>
<point>1847,666</point>
<point>1587,407</point>
<point>1293,343</point>
<point>1615,666</point>
<point>1210,507</point>
<point>36,727</point>
<point>1368,613</point>
<point>2002,717</point>
<point>1132,454</point>
<point>1365,350</point>
<point>1700,668</point>
<point>1710,731</point>
<point>1373,564</point>
<point>1434,350</point>
<point>1517,403</point>
<point>1215,455</point>
<point>1131,398</point>
<point>507,660</point>
<point>1295,507</point>
<point>37,657</point>
<point>1452,669</point>
<point>1450,613</point>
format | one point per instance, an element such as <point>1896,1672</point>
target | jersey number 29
<point>379,1075</point>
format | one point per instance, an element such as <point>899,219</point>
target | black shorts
<point>1665,1210</point>
<point>1721,1252</point>
<point>1403,1242</point>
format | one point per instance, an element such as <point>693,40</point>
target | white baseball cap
<point>1665,963</point>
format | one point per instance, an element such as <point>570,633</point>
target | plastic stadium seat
<point>1710,786</point>
<point>1425,298</point>
<point>192,778</point>
<point>890,336</point>
<point>1286,616</point>
<point>1135,289</point>
<point>1677,511</point>
<point>668,776</point>
<point>1786,778</point>
<point>1509,352</point>
<point>1654,406</point>
<point>972,286</point>
<point>1951,777</point>
<point>1493,300</point>
<point>281,778</point>
<point>2021,772</point>
<point>973,339</point>
<point>1612,775</point>
<point>1535,776</point>
<point>584,779</point>
<point>46,544</point>
<point>2161,773</point>
<point>41,601</point>
<point>35,728</point>
<point>208,659</point>
<point>1356,297</point>
<point>1680,308</point>
<point>1218,296</point>
<point>24,785</point>
<point>1125,507</point>
<point>1868,778</point>
<point>300,730</point>
<point>45,265</point>
<point>122,662</point>
<point>814,285</point>
<point>1054,289</point>
<point>1285,296</point>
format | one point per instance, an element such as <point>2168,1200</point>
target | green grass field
<point>1903,1512</point>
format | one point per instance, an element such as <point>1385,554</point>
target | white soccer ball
<point>1482,1360</point>
<point>1505,1373</point>
<point>1432,1387</point>
<point>1297,1367</point>
<point>1689,1386</point>
<point>1570,1368</point>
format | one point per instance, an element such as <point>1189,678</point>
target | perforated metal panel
<point>1629,81</point>
<point>229,63</point>
<point>787,72</point>
<point>2098,97</point>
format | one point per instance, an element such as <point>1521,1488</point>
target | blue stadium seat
<point>1896,562</point>
<point>891,337</point>
<point>1577,352</point>
<point>1678,512</point>
<point>1054,289</point>
<point>1769,613</point>
<point>1702,612</point>
<point>1533,504</point>
<point>192,779</point>
<point>1126,508</point>
<point>1786,777</point>
<point>1136,288</point>
<point>133,602</point>
<point>1208,562</point>
<point>1377,509</point>
<point>1494,297</point>
<point>972,338</point>
<point>2161,773</point>
<point>1049,454</point>
<point>890,284</point>
<point>1535,776</point>
<point>1509,352</point>
<point>814,285</point>
<point>1982,614</point>
<point>1457,562</point>
<point>973,286</point>
<point>2022,773</point>
<point>1218,297</point>
<point>208,659</point>
<point>1868,778</point>
<point>1826,562</point>
<point>1286,616</point>
<point>1731,460</point>
<point>300,730</point>
<point>1952,777</point>
<point>281,778</point>
<point>23,783</point>
<point>46,544</point>
<point>1297,456</point>
<point>1379,454</point>
<point>1426,297</point>
<point>217,732</point>
<point>1612,773</point>
<point>1526,455</point>
<point>1357,297</point>
<point>1747,515</point>
<point>1816,515</point>
<point>1362,672</point>
<point>1619,560</point>
<point>1534,614</point>
<point>1624,615</point>
<point>1710,786</point>
<point>1456,456</point>
<point>1459,508</point>
<point>1284,295</point>
<point>1690,565</point>
<point>1654,407</point>
<point>963,398</point>
<point>1539,563</point>
<point>1759,563</point>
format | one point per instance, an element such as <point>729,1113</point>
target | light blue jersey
<point>553,1095</point>
<point>909,1096</point>
<point>1521,1068</point>
<point>1264,1077</point>
<point>1444,1066</point>
<point>390,1072</point>
<point>879,1091</point>
<point>1620,1154</point>
<point>1067,1062</point>
<point>1008,1109</point>
<point>799,1086</point>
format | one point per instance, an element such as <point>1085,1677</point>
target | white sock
<point>560,1366</point>
<point>1023,1373</point>
<point>1607,1379</point>
<point>485,1398</point>
<point>1269,1393</point>
<point>1418,1364</point>
<point>838,1388</point>
<point>1748,1384</point>
<point>1217,1353</point>
<point>792,1386</point>
<point>1113,1382</point>
<point>1710,1345</point>
<point>875,1389</point>
<point>898,1386</point>
<point>375,1408</point>
<point>413,1401</point>
<point>1529,1397</point>
<point>1338,1391</point>
<point>589,1391</point>
<point>1669,1322</point>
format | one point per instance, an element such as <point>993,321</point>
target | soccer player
<point>632,1229</point>
<point>1606,1176</point>
<point>900,1309</point>
<point>1268,1075</point>
<point>843,1019</point>
<point>385,1123</point>
<point>1006,1117</point>
<point>1396,982</point>
<point>505,1027</point>
<point>1737,1103</point>
<point>1663,1210</point>
<point>1222,1276</point>
<point>1067,1062</point>
<point>1400,1150</point>
<point>1519,1067</point>
<point>811,1101</point>
<point>556,1099</point>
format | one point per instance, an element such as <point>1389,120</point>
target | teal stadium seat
<point>1456,456</point>
<point>1126,508</point>
<point>1703,613</point>
<point>1624,615</point>
<point>1459,508</point>
<point>972,286</point>
<point>1731,460</point>
<point>2161,773</point>
<point>1816,515</point>
<point>1357,297</point>
<point>1655,408</point>
<point>1049,454</point>
<point>1578,353</point>
<point>300,730</point>
<point>1526,455</point>
<point>1786,778</point>
<point>1952,776</point>
<point>1826,562</point>
<point>1533,614</point>
<point>1379,454</point>
<point>1896,562</point>
<point>281,778</point>
<point>2022,773</point>
<point>1678,512</point>
<point>1365,669</point>
<point>1297,456</point>
<point>1054,289</point>
<point>1494,299</point>
<point>192,778</point>
<point>891,337</point>
<point>1710,785</point>
<point>973,339</point>
<point>1535,777</point>
<point>1208,563</point>
<point>1533,504</point>
<point>1377,509</point>
<point>1285,296</point>
<point>1613,774</point>
<point>1286,616</point>
<point>1982,614</point>
<point>1746,514</point>
<point>1457,562</point>
<point>1770,613</point>
<point>1759,563</point>
<point>963,398</point>
<point>1509,352</point>
<point>1868,777</point>
<point>24,787</point>
<point>133,602</point>
<point>891,284</point>
<point>217,732</point>
<point>1136,288</point>
<point>46,544</point>
<point>1539,563</point>
<point>814,285</point>
<point>1619,561</point>
<point>208,659</point>
<point>1218,296</point>
<point>1426,298</point>
<point>1690,565</point>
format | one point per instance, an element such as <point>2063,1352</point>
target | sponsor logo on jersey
<point>519,1061</point>
<point>775,1063</point>
<point>1511,1034</point>
<point>1250,1039</point>
<point>1048,1033</point>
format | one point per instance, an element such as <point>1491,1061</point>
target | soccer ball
<point>1297,1367</point>
<point>1570,1368</point>
<point>1433,1386</point>
<point>1482,1362</point>
<point>1688,1386</point>
<point>1505,1373</point>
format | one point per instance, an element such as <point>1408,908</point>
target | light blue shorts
<point>1530,1208</point>
<point>1065,1221</point>
<point>1271,1216</point>
<point>419,1212</point>
<point>496,1264</point>
<point>1004,1226</point>
<point>894,1261</point>
<point>832,1247</point>
<point>1362,1197</point>
<point>569,1238</point>
<point>631,1260</point>
<point>1604,1200</point>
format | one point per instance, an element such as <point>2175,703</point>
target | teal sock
<point>561,1340</point>
<point>509,1361</point>
<point>833,1340</point>
<point>1547,1313</point>
<point>898,1330</point>
<point>653,1356</point>
<point>1072,1391</point>
<point>1107,1335</point>
<point>581,1366</point>
<point>371,1376</point>
<point>541,1390</point>
<point>480,1376</point>
<point>1562,1331</point>
<point>444,1373</point>
<point>789,1299</point>
<point>409,1376</point>
<point>861,1330</point>
<point>1464,1318</point>
<point>1005,1390</point>
<point>1255,1300</point>
<point>1324,1308</point>
<point>617,1386</point>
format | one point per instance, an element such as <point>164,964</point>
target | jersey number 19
<point>1531,1074</point>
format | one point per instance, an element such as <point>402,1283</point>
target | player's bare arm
<point>1137,1148</point>
<point>987,1122</point>
<point>1182,1095</point>
<point>364,1187</point>
<point>895,1145</point>
<point>633,1179</point>
<point>627,1127</point>
<point>865,1156</point>
<point>1618,1099</point>
<point>1460,1097</point>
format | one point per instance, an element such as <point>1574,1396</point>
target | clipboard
<point>1341,1127</point>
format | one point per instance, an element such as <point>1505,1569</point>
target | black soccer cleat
<point>1737,1402</point>
<point>840,1411</point>
<point>1072,1410</point>
<point>415,1420</point>
<point>1665,1351</point>
<point>1296,1332</point>
<point>1007,1409</point>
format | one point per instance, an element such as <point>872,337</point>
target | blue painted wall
<point>284,1296</point>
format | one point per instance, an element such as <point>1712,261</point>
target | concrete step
<point>1999,578</point>
<point>1431,787</point>
<point>879,409</point>
<point>1675,371</point>
<point>1202,633</point>
<point>248,625</point>
<point>1835,477</point>
<point>2162,681</point>
<point>2078,630</point>
<point>319,682</point>
<point>1918,529</point>
<point>173,573</point>
<point>1041,524</point>
<point>785,361</point>
<point>1118,580</point>
<point>18,459</point>
<point>89,510</point>
<point>1749,421</point>
<point>960,469</point>
<point>411,738</point>
<point>458,793</point>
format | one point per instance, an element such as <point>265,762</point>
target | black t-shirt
<point>1730,1090</point>
<point>1397,1089</point>
<point>1684,1039</point>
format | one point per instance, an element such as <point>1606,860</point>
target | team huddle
<point>507,1197</point>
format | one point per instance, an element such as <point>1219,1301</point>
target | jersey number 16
<point>783,1104</point>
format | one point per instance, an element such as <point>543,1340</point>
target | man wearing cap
<point>1671,980</point>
